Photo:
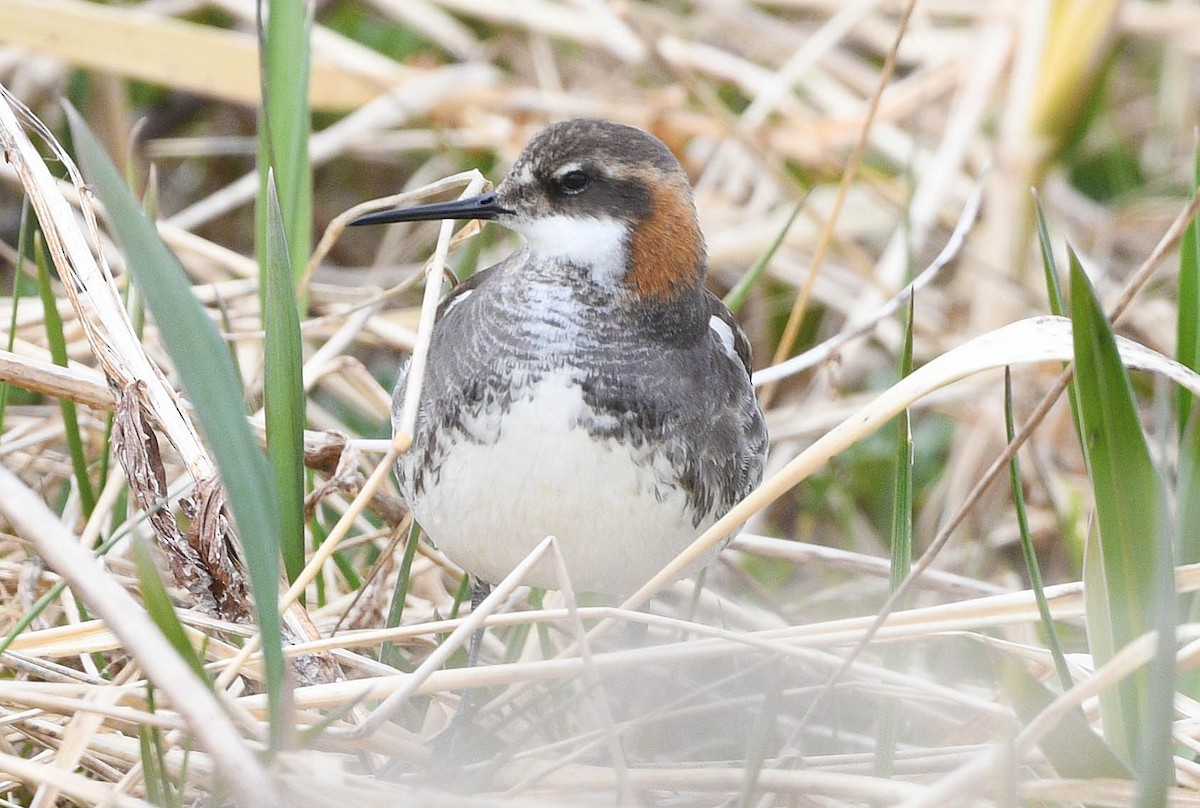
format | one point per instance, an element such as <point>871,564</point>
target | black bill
<point>475,207</point>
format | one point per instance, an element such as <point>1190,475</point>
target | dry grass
<point>765,685</point>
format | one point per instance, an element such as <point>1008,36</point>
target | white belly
<point>618,521</point>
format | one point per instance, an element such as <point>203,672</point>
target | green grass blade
<point>316,537</point>
<point>152,771</point>
<point>461,595</point>
<point>24,234</point>
<point>389,654</point>
<point>1157,773</point>
<point>1072,747</point>
<point>902,516</point>
<point>206,371</point>
<point>1135,569</point>
<point>283,393</point>
<point>1187,521</point>
<point>1027,548</point>
<point>58,352</point>
<point>158,606</point>
<point>156,775</point>
<point>738,294</point>
<point>1187,352</point>
<point>1049,266</point>
<point>1188,517</point>
<point>902,504</point>
<point>1187,336</point>
<point>1075,538</point>
<point>285,125</point>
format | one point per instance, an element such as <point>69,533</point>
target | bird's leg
<point>479,591</point>
<point>470,701</point>
<point>453,741</point>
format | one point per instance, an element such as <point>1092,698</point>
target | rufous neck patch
<point>666,250</point>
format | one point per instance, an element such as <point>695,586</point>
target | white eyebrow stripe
<point>567,169</point>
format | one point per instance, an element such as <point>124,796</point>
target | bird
<point>588,386</point>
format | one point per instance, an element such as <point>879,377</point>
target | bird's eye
<point>574,181</point>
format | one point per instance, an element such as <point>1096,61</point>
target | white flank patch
<point>725,335</point>
<point>461,297</point>
<point>618,520</point>
<point>598,245</point>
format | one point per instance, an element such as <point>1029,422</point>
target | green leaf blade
<point>1131,585</point>
<point>158,606</point>
<point>58,352</point>
<point>1032,567</point>
<point>285,124</point>
<point>889,726</point>
<point>207,374</point>
<point>283,394</point>
<point>1072,746</point>
<point>1187,335</point>
<point>741,291</point>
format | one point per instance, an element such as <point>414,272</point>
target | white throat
<point>597,245</point>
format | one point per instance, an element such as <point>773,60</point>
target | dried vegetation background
<point>891,121</point>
